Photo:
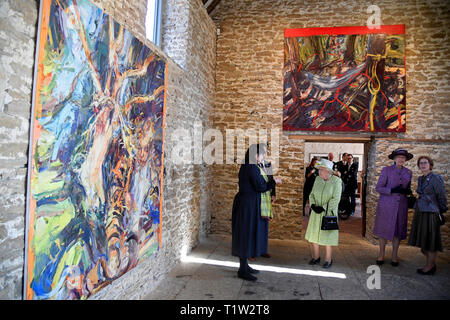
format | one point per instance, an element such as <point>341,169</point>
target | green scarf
<point>266,199</point>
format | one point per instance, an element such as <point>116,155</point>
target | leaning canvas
<point>94,193</point>
<point>345,79</point>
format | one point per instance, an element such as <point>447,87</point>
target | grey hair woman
<point>425,228</point>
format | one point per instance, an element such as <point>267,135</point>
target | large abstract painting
<point>345,79</point>
<point>96,153</point>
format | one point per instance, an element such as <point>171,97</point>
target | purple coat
<point>392,210</point>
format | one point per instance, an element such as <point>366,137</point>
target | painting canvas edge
<point>44,6</point>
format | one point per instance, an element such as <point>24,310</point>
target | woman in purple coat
<point>391,219</point>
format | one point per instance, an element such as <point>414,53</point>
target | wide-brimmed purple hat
<point>401,152</point>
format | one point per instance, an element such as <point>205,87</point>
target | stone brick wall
<point>249,92</point>
<point>190,94</point>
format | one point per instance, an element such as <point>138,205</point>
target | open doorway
<point>355,223</point>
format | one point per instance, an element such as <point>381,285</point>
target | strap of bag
<point>326,212</point>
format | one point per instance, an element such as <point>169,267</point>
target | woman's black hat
<point>401,152</point>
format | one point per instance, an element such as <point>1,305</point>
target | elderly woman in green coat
<point>324,200</point>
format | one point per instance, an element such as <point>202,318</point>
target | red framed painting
<point>345,79</point>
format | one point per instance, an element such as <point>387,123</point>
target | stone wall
<point>190,94</point>
<point>249,92</point>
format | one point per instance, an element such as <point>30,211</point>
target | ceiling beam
<point>210,5</point>
<point>327,138</point>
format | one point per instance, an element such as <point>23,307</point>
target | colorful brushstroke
<point>95,175</point>
<point>345,79</point>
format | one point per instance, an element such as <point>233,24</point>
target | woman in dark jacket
<point>310,176</point>
<point>247,211</point>
<point>425,228</point>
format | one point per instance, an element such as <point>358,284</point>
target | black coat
<point>349,175</point>
<point>309,181</point>
<point>247,211</point>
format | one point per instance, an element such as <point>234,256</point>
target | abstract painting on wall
<point>96,153</point>
<point>345,79</point>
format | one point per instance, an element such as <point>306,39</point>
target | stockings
<point>243,265</point>
<point>245,271</point>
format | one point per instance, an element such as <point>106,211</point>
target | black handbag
<point>329,222</point>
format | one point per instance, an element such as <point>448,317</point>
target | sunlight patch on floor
<point>231,264</point>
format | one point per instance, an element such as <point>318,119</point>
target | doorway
<point>355,223</point>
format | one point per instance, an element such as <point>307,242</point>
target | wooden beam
<point>359,139</point>
<point>323,138</point>
<point>212,6</point>
<point>414,140</point>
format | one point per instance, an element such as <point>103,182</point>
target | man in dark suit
<point>349,175</point>
<point>340,164</point>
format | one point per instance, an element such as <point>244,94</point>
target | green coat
<point>323,193</point>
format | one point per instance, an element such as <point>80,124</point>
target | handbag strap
<point>326,212</point>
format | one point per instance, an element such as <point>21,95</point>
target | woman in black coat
<point>246,214</point>
<point>310,176</point>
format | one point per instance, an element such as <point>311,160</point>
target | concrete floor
<point>209,272</point>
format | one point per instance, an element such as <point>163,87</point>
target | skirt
<point>262,235</point>
<point>425,232</point>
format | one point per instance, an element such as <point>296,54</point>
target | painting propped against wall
<point>345,79</point>
<point>96,153</point>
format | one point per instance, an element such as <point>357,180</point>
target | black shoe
<point>314,261</point>
<point>251,270</point>
<point>246,276</point>
<point>427,273</point>
<point>394,263</point>
<point>380,262</point>
<point>327,264</point>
